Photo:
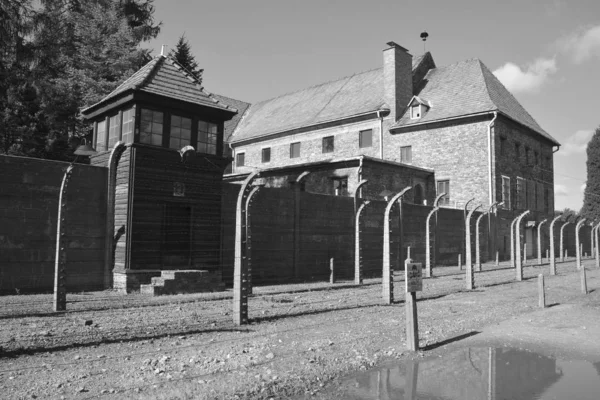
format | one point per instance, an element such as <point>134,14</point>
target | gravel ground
<point>301,337</point>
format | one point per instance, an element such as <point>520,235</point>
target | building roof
<point>465,88</point>
<point>240,106</point>
<point>165,77</point>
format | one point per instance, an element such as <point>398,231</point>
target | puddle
<point>477,373</point>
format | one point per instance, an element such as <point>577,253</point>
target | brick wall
<point>28,211</point>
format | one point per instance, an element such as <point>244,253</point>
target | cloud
<point>582,44</point>
<point>529,79</point>
<point>576,143</point>
<point>560,190</point>
<point>582,188</point>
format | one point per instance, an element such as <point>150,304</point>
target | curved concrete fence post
<point>386,278</point>
<point>249,235</point>
<point>597,239</point>
<point>109,239</point>
<point>552,252</point>
<point>512,242</point>
<point>357,192</point>
<point>428,243</point>
<point>577,242</point>
<point>592,242</point>
<point>60,259</point>
<point>240,269</point>
<point>539,241</point>
<point>358,264</point>
<point>465,212</point>
<point>478,242</point>
<point>518,246</point>
<point>296,232</point>
<point>493,236</point>
<point>468,262</point>
<point>562,242</point>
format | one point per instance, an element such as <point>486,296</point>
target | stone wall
<point>28,212</point>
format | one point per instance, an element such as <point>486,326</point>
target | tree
<point>591,195</point>
<point>182,53</point>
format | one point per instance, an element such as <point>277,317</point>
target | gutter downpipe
<point>380,116</point>
<point>232,156</point>
<point>490,186</point>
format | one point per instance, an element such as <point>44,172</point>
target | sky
<point>546,52</point>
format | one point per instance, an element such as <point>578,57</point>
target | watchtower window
<point>151,129</point>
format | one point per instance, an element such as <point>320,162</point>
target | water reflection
<point>478,373</point>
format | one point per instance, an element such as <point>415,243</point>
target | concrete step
<point>184,281</point>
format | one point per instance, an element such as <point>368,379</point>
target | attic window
<point>415,111</point>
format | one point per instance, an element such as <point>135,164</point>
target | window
<point>418,194</point>
<point>540,197</point>
<point>548,162</point>
<point>328,144</point>
<point>340,186</point>
<point>415,111</point>
<point>365,138</point>
<point>406,154</point>
<point>240,159</point>
<point>527,156</point>
<point>502,145</point>
<point>151,127</point>
<point>207,137</point>
<point>101,136</point>
<point>546,200</point>
<point>295,150</point>
<point>113,130</point>
<point>181,132</point>
<point>506,192</point>
<point>530,195</point>
<point>520,194</point>
<point>127,125</point>
<point>535,158</point>
<point>444,187</point>
<point>518,151</point>
<point>266,155</point>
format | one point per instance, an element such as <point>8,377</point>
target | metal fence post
<point>386,278</point>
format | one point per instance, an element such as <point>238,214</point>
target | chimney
<point>397,79</point>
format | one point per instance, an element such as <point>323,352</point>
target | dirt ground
<point>301,339</point>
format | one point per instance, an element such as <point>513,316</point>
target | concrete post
<point>577,243</point>
<point>428,243</point>
<point>358,278</point>
<point>562,253</point>
<point>584,289</point>
<point>592,244</point>
<point>468,263</point>
<point>249,236</point>
<point>60,260</point>
<point>524,253</point>
<point>518,245</point>
<point>109,241</point>
<point>240,271</point>
<point>297,191</point>
<point>513,264</point>
<point>552,251</point>
<point>539,241</point>
<point>497,259</point>
<point>332,270</point>
<point>408,258</point>
<point>465,212</point>
<point>459,262</point>
<point>477,243</point>
<point>386,277</point>
<point>357,193</point>
<point>597,246</point>
<point>541,291</point>
<point>493,236</point>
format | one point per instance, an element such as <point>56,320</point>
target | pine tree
<point>182,53</point>
<point>591,196</point>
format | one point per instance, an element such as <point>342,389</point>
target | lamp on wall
<point>84,149</point>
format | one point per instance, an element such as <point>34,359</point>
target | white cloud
<point>582,188</point>
<point>576,143</point>
<point>581,45</point>
<point>560,190</point>
<point>529,79</point>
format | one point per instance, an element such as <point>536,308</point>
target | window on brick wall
<point>520,196</point>
<point>266,155</point>
<point>101,136</point>
<point>527,156</point>
<point>546,200</point>
<point>502,145</point>
<point>444,187</point>
<point>240,159</point>
<point>535,158</point>
<point>295,150</point>
<point>327,146</point>
<point>540,196</point>
<point>518,151</point>
<point>506,192</point>
<point>365,138</point>
<point>340,186</point>
<point>406,154</point>
<point>530,195</point>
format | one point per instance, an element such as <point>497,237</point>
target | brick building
<point>456,120</point>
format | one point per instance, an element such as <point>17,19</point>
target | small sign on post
<point>414,283</point>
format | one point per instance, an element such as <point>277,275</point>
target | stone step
<point>184,281</point>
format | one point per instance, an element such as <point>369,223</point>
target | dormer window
<point>415,111</point>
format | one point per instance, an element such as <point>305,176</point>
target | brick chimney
<point>397,78</point>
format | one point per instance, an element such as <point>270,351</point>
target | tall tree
<point>182,53</point>
<point>591,196</point>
